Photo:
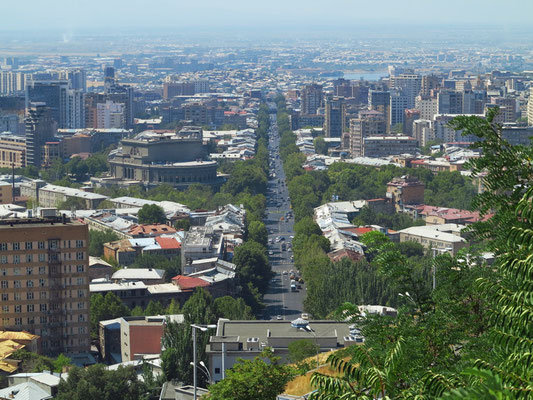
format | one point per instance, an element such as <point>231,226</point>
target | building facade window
<point>3,246</point>
<point>29,245</point>
<point>18,321</point>
<point>42,257</point>
<point>79,243</point>
<point>16,284</point>
<point>5,284</point>
<point>16,259</point>
<point>40,245</point>
<point>29,283</point>
<point>16,246</point>
<point>80,255</point>
<point>29,296</point>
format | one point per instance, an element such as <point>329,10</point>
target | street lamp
<point>204,370</point>
<point>203,328</point>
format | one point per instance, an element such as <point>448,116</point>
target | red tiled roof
<point>188,282</point>
<point>338,255</point>
<point>168,243</point>
<point>362,230</point>
<point>155,229</point>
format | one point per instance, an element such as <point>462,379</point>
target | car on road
<point>279,317</point>
<point>305,316</point>
<point>285,272</point>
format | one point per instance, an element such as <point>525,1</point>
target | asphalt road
<point>280,300</point>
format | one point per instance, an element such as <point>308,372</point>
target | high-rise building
<point>40,127</point>
<point>65,104</point>
<point>44,277</point>
<point>379,100</point>
<point>110,115</point>
<point>399,102</point>
<point>410,116</point>
<point>507,109</point>
<point>427,106</point>
<point>449,102</point>
<point>409,84</point>
<point>77,79</point>
<point>122,94</point>
<point>423,132</point>
<point>335,121</point>
<point>109,77</point>
<point>530,107</point>
<point>369,123</point>
<point>311,99</point>
<point>429,83</point>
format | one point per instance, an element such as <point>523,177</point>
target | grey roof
<point>24,391</point>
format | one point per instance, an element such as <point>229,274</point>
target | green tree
<point>151,214</point>
<point>105,307</point>
<point>97,240</point>
<point>299,350</point>
<point>172,267</point>
<point>96,382</point>
<point>262,379</point>
<point>182,224</point>
<point>252,265</point>
<point>72,203</point>
<point>154,308</point>
<point>321,146</point>
<point>232,308</point>
<point>257,232</point>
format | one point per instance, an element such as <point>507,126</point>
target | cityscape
<point>284,201</point>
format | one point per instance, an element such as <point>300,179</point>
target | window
<point>3,259</point>
<point>42,270</point>
<point>81,306</point>
<point>80,281</point>
<point>18,308</point>
<point>43,295</point>
<point>42,257</point>
<point>18,321</point>
<point>81,318</point>
<point>3,272</point>
<point>17,296</point>
<point>79,268</point>
<point>16,246</point>
<point>3,246</point>
<point>5,284</point>
<point>16,259</point>
<point>42,282</point>
<point>16,271</point>
<point>42,307</point>
<point>217,370</point>
<point>5,309</point>
<point>79,243</point>
<point>29,257</point>
<point>30,307</point>
<point>40,245</point>
<point>29,245</point>
<point>5,297</point>
<point>81,329</point>
<point>53,244</point>
<point>5,321</point>
<point>29,296</point>
<point>29,270</point>
<point>29,283</point>
<point>42,320</point>
<point>80,293</point>
<point>80,255</point>
<point>16,284</point>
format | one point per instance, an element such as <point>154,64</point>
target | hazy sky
<point>147,14</point>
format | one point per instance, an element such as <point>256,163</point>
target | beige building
<point>44,271</point>
<point>440,238</point>
<point>6,193</point>
<point>12,151</point>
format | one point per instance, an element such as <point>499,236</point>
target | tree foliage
<point>97,240</point>
<point>151,214</point>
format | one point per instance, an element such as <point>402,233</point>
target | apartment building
<point>44,280</point>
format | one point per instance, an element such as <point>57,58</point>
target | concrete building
<point>428,107</point>
<point>311,98</point>
<point>110,115</point>
<point>423,131</point>
<point>369,123</point>
<point>379,100</point>
<point>47,195</point>
<point>12,151</point>
<point>449,102</point>
<point>151,158</point>
<point>384,146</point>
<point>409,84</point>
<point>440,238</point>
<point>410,116</point>
<point>517,135</point>
<point>530,108</point>
<point>246,339</point>
<point>335,121</point>
<point>140,336</point>
<point>40,128</point>
<point>6,193</point>
<point>200,242</point>
<point>399,102</point>
<point>44,271</point>
<point>429,83</point>
<point>9,123</point>
<point>405,190</point>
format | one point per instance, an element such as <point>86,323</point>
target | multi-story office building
<point>507,109</point>
<point>384,146</point>
<point>399,102</point>
<point>9,123</point>
<point>12,82</point>
<point>335,121</point>
<point>427,106</point>
<point>429,83</point>
<point>40,128</point>
<point>110,115</point>
<point>66,104</point>
<point>409,84</point>
<point>12,151</point>
<point>449,102</point>
<point>369,123</point>
<point>311,99</point>
<point>410,115</point>
<point>379,100</point>
<point>422,131</point>
<point>530,107</point>
<point>77,79</point>
<point>44,276</point>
